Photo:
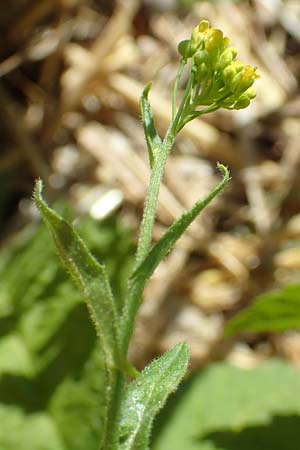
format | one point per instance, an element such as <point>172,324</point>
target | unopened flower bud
<point>202,71</point>
<point>214,40</point>
<point>244,79</point>
<point>200,57</point>
<point>251,93</point>
<point>203,26</point>
<point>184,49</point>
<point>242,102</point>
<point>226,58</point>
<point>231,71</point>
<point>198,35</point>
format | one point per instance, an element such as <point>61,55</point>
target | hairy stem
<point>175,89</point>
<point>134,298</point>
<point>135,295</point>
<point>114,393</point>
<point>152,196</point>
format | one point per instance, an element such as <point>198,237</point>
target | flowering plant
<point>215,80</point>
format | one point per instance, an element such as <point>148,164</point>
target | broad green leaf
<point>50,358</point>
<point>152,138</point>
<point>146,395</point>
<point>227,408</point>
<point>160,250</point>
<point>77,404</point>
<point>15,357</point>
<point>28,432</point>
<point>272,311</point>
<point>89,276</point>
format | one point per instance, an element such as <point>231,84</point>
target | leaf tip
<point>224,170</point>
<point>37,192</point>
<point>146,90</point>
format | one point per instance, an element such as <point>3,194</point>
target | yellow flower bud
<point>226,58</point>
<point>203,26</point>
<point>243,80</point>
<point>251,93</point>
<point>214,39</point>
<point>242,102</point>
<point>231,71</point>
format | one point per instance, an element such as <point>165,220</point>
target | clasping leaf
<point>147,394</point>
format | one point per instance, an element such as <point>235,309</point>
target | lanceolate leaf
<point>160,250</point>
<point>88,274</point>
<point>152,138</point>
<point>271,311</point>
<point>146,395</point>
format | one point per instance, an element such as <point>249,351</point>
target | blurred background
<point>71,73</point>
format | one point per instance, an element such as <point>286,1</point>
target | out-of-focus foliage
<point>226,408</point>
<point>271,311</point>
<point>51,370</point>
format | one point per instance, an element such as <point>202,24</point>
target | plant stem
<point>134,297</point>
<point>177,80</point>
<point>114,397</point>
<point>186,99</point>
<point>135,292</point>
<point>152,195</point>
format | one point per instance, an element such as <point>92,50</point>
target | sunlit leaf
<point>146,395</point>
<point>228,408</point>
<point>89,276</point>
<point>272,311</point>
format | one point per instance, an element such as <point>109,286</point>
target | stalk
<point>114,395</point>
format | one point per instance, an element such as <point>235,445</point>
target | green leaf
<point>50,359</point>
<point>227,408</point>
<point>272,311</point>
<point>152,138</point>
<point>146,395</point>
<point>160,250</point>
<point>89,276</point>
<point>77,404</point>
<point>14,356</point>
<point>27,432</point>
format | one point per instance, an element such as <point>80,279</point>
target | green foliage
<point>272,311</point>
<point>35,431</point>
<point>51,368</point>
<point>226,408</point>
<point>145,396</point>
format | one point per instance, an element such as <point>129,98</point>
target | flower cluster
<point>218,78</point>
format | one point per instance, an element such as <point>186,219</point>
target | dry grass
<point>71,75</point>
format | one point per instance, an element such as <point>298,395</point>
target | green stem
<point>184,103</point>
<point>135,293</point>
<point>114,393</point>
<point>152,195</point>
<point>175,89</point>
